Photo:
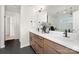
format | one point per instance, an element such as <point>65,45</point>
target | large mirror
<point>61,16</point>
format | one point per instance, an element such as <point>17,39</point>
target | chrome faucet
<point>65,33</point>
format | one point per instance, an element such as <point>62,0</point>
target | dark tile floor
<point>13,47</point>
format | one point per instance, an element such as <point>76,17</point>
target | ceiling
<point>53,9</point>
<point>12,8</point>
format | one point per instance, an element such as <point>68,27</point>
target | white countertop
<point>71,42</point>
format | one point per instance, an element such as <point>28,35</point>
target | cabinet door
<point>38,49</point>
<point>64,50</point>
<point>59,48</point>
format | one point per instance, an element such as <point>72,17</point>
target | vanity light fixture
<point>69,10</point>
<point>40,10</point>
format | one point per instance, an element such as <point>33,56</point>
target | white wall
<point>2,27</point>
<point>76,23</point>
<point>28,14</point>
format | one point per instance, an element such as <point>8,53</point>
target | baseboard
<point>3,46</point>
<point>24,45</point>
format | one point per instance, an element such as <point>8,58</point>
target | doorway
<point>12,26</point>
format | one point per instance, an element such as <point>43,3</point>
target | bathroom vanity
<point>43,43</point>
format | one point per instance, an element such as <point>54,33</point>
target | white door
<point>7,27</point>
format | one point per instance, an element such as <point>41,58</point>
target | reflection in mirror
<point>61,17</point>
<point>61,22</point>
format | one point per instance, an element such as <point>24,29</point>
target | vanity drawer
<point>32,35</point>
<point>37,48</point>
<point>40,49</point>
<point>38,39</point>
<point>34,46</point>
<point>49,50</point>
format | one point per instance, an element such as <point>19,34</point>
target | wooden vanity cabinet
<point>45,46</point>
<point>37,43</point>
